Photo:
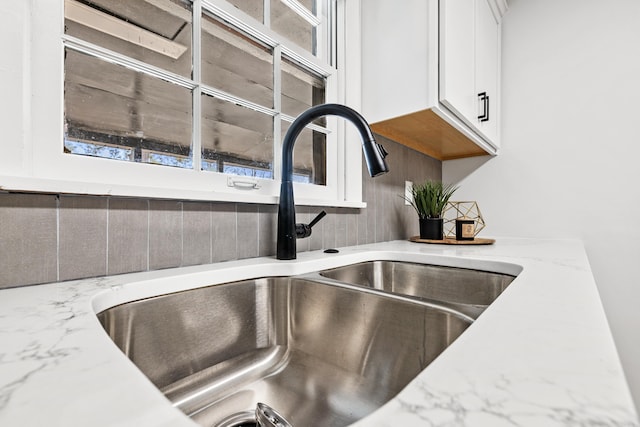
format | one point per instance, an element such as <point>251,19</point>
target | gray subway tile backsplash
<point>328,229</point>
<point>28,239</point>
<point>196,233</point>
<point>165,234</point>
<point>224,232</point>
<point>316,240</point>
<point>340,228</point>
<point>267,229</point>
<point>128,241</point>
<point>82,248</point>
<point>46,238</point>
<point>247,231</point>
<point>351,221</point>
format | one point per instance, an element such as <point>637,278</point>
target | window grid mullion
<point>220,94</point>
<point>277,106</point>
<point>196,120</point>
<point>312,126</point>
<point>332,31</point>
<point>302,12</point>
<point>237,23</point>
<point>266,5</point>
<point>319,33</point>
<point>119,59</point>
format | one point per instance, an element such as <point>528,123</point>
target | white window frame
<point>43,167</point>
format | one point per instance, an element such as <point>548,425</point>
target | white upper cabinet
<point>457,53</point>
<point>395,58</point>
<point>488,71</point>
<point>431,74</point>
<point>469,64</point>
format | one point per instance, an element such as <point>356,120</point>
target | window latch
<point>243,183</point>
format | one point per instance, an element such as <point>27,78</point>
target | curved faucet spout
<point>374,155</point>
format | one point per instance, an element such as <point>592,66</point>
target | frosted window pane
<point>124,111</point>
<point>235,63</point>
<point>157,34</point>
<point>239,140</point>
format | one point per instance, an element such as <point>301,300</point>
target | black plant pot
<point>431,228</point>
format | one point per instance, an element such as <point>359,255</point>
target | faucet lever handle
<point>304,230</point>
<point>317,219</point>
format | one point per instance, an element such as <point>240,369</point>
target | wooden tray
<point>453,241</point>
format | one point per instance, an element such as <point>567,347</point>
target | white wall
<point>570,164</point>
<point>14,69</point>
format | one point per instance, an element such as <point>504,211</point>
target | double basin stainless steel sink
<point>324,349</point>
<point>467,291</point>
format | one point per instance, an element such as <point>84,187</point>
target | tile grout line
<point>107,237</point>
<point>235,210</point>
<point>57,237</point>
<point>259,220</point>
<point>148,233</point>
<point>181,233</point>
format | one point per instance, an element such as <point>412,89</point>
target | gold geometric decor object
<point>467,210</point>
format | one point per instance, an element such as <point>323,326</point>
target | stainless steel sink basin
<point>318,354</point>
<point>458,286</point>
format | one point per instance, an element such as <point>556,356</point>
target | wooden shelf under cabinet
<point>428,133</point>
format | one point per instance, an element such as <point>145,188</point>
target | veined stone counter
<point>541,355</point>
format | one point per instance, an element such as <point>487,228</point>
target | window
<point>169,98</point>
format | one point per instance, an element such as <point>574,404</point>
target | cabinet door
<point>457,53</point>
<point>395,55</point>
<point>487,71</point>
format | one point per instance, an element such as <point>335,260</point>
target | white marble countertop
<point>541,355</point>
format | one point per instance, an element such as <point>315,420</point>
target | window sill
<point>50,186</point>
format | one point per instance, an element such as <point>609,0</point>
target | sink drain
<point>264,416</point>
<point>241,419</point>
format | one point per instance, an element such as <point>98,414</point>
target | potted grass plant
<point>429,200</point>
